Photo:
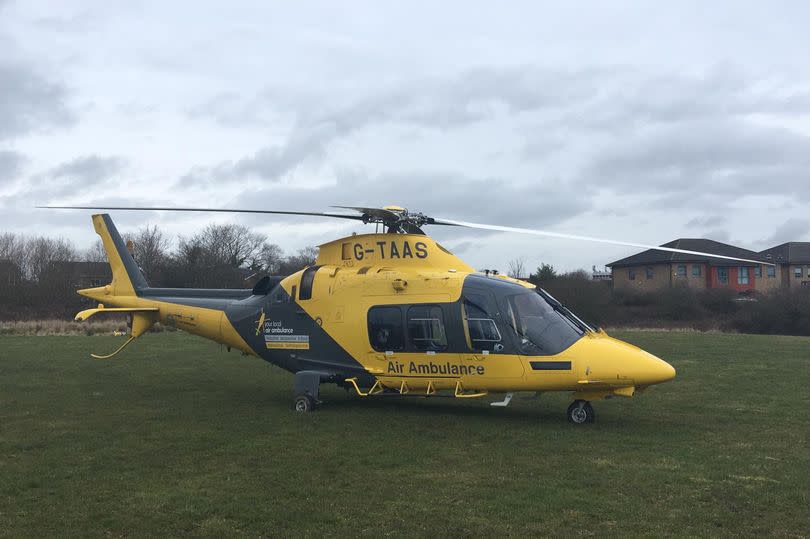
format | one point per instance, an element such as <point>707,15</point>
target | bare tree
<point>151,249</point>
<point>43,252</point>
<point>231,245</point>
<point>96,253</point>
<point>268,259</point>
<point>516,268</point>
<point>305,257</point>
<point>12,248</point>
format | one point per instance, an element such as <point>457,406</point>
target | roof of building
<point>651,256</point>
<point>792,252</point>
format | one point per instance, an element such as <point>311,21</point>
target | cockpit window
<point>482,330</point>
<point>540,329</point>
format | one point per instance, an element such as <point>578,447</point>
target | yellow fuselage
<point>327,318</point>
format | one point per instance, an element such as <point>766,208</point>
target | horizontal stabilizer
<point>87,313</point>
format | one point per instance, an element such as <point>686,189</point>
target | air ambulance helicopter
<point>391,314</point>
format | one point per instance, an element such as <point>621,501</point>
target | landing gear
<point>580,412</point>
<point>303,403</point>
<point>306,389</point>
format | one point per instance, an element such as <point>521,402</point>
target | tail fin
<point>127,279</point>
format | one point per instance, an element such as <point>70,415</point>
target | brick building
<point>652,270</point>
<point>793,261</point>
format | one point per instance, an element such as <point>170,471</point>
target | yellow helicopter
<point>391,314</point>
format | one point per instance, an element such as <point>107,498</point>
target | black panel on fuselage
<point>289,337</point>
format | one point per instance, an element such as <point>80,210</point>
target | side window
<point>426,328</point>
<point>307,280</point>
<point>385,328</point>
<point>480,325</point>
<point>631,274</point>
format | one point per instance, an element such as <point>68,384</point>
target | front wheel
<point>581,412</point>
<point>303,403</point>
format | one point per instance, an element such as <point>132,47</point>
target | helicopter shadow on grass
<point>546,412</point>
<point>524,413</point>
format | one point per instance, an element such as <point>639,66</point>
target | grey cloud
<point>269,163</point>
<point>439,194</point>
<point>29,102</point>
<point>699,163</point>
<point>604,98</point>
<point>792,229</point>
<point>708,221</point>
<point>84,175</point>
<point>656,132</point>
<point>230,109</point>
<point>10,166</point>
<point>272,162</point>
<point>81,175</point>
<point>88,169</point>
<point>447,102</point>
<point>435,103</point>
<point>718,235</point>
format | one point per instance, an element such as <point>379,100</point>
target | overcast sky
<point>636,121</point>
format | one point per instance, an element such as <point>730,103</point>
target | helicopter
<point>391,314</point>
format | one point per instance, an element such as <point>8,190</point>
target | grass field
<point>178,437</point>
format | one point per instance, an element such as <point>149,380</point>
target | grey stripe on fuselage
<point>218,299</point>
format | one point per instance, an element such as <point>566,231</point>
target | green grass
<point>179,437</point>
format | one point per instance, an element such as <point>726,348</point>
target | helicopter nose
<point>650,369</point>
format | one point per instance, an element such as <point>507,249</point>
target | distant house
<point>653,270</point>
<point>601,275</point>
<point>793,260</point>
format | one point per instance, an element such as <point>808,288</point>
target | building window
<point>722,275</point>
<point>771,272</point>
<point>758,271</point>
<point>696,270</point>
<point>681,270</point>
<point>631,275</point>
<point>426,327</point>
<point>742,275</point>
<point>808,271</point>
<point>797,272</point>
<point>649,272</point>
<point>385,328</point>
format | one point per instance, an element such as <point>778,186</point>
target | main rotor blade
<point>219,210</point>
<point>545,233</point>
<point>379,213</point>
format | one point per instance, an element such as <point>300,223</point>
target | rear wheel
<point>581,412</point>
<point>303,403</point>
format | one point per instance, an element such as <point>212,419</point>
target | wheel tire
<point>303,404</point>
<point>581,412</point>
